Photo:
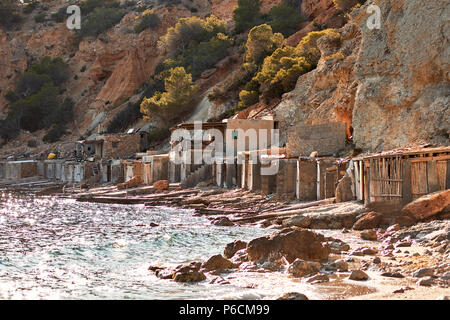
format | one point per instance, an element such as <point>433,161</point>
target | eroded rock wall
<point>403,75</point>
<point>391,86</point>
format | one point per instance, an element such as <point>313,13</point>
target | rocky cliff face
<point>403,94</point>
<point>390,85</point>
<point>327,93</point>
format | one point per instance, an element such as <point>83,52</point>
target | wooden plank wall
<point>386,179</point>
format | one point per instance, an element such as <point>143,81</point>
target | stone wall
<point>326,139</point>
<point>307,180</point>
<point>121,146</point>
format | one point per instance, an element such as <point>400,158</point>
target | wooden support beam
<point>433,181</point>
<point>406,185</point>
<point>447,183</point>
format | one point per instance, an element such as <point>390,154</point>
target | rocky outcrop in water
<point>292,243</point>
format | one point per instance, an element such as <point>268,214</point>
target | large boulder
<point>428,205</point>
<point>218,262</point>
<point>132,183</point>
<point>189,276</point>
<point>161,185</point>
<point>293,296</point>
<point>292,242</point>
<point>368,221</point>
<point>344,190</point>
<point>301,268</point>
<point>233,247</point>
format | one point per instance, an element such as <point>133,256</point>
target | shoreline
<point>389,262</point>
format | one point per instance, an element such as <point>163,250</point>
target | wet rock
<point>376,260</point>
<point>363,251</point>
<point>369,221</point>
<point>370,235</point>
<point>427,282</point>
<point>428,205</point>
<point>358,275</point>
<point>202,184</point>
<point>291,242</point>
<point>164,274</point>
<point>404,243</point>
<point>337,246</point>
<point>161,185</point>
<point>293,296</point>
<point>189,276</point>
<point>219,280</point>
<point>240,256</point>
<point>405,221</point>
<point>273,265</point>
<point>300,268</point>
<point>233,247</point>
<point>446,276</point>
<point>402,290</point>
<point>223,222</point>
<point>218,262</point>
<point>338,265</point>
<point>423,272</point>
<point>393,228</point>
<point>392,275</point>
<point>299,221</point>
<point>318,278</point>
<point>152,225</point>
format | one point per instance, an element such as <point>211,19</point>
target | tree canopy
<point>177,98</point>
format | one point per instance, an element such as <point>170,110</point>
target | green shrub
<point>31,83</point>
<point>346,5</point>
<point>158,134</point>
<point>285,19</point>
<point>192,29</point>
<point>247,15</point>
<point>99,19</point>
<point>147,20</point>
<point>41,17</point>
<point>32,143</point>
<point>11,96</point>
<point>88,6</point>
<point>124,118</point>
<point>280,70</point>
<point>308,46</point>
<point>178,97</point>
<point>55,68</point>
<point>198,44</point>
<point>60,15</point>
<point>205,55</point>
<point>30,6</point>
<point>248,98</point>
<point>36,102</point>
<point>55,133</point>
<point>262,42</point>
<point>9,13</point>
<point>233,84</point>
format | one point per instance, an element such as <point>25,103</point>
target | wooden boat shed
<point>401,175</point>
